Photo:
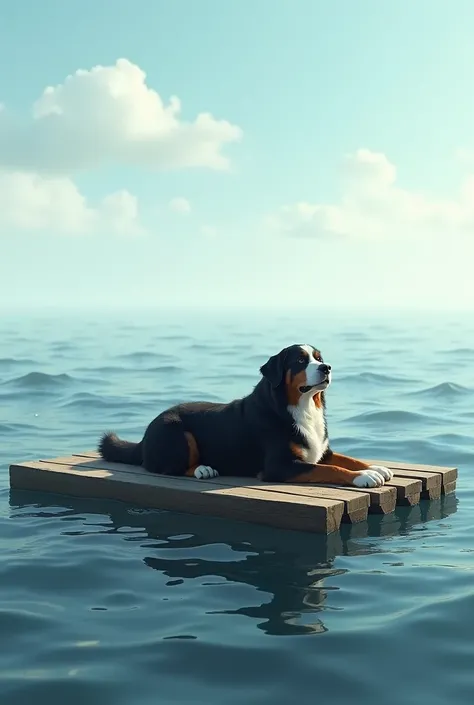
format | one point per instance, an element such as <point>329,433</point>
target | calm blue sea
<point>107,603</point>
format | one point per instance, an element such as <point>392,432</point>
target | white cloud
<point>107,116</point>
<point>373,205</point>
<point>180,205</point>
<point>35,203</point>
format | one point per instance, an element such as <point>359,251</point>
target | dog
<point>277,433</point>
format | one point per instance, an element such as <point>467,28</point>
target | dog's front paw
<point>204,472</point>
<point>368,478</point>
<point>386,473</point>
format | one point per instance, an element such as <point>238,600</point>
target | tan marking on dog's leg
<point>190,471</point>
<point>330,474</point>
<point>193,457</point>
<point>344,461</point>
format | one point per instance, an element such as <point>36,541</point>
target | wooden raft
<point>316,508</point>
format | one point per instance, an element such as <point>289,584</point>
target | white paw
<point>369,478</point>
<point>386,473</point>
<point>204,472</point>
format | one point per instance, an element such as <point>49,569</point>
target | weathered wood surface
<point>355,506</point>
<point>431,476</point>
<point>314,508</point>
<point>104,481</point>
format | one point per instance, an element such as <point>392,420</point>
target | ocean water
<point>101,602</point>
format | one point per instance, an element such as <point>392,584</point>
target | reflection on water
<point>292,570</point>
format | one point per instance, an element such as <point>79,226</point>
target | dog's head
<point>301,368</point>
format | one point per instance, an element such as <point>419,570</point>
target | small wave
<point>236,377</point>
<point>95,401</point>
<point>116,370</point>
<point>402,449</point>
<point>174,338</point>
<point>396,416</point>
<point>16,361</point>
<point>355,335</point>
<point>38,380</point>
<point>8,428</point>
<point>465,352</point>
<point>163,368</point>
<point>64,346</point>
<point>452,440</point>
<point>255,359</point>
<point>375,378</point>
<point>234,349</point>
<point>106,370</point>
<point>201,346</point>
<point>197,395</point>
<point>144,356</point>
<point>443,390</point>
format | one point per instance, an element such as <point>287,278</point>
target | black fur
<point>115,450</point>
<point>247,437</point>
<point>274,369</point>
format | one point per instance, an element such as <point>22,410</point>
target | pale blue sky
<point>361,112</point>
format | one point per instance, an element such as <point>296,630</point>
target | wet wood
<point>446,475</point>
<point>305,507</point>
<point>449,488</point>
<point>382,499</point>
<point>355,506</point>
<point>179,494</point>
<point>431,482</point>
<point>408,490</point>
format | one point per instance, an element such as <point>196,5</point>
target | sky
<point>295,154</point>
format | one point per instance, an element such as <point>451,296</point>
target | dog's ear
<point>274,368</point>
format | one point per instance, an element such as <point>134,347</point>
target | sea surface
<point>101,602</point>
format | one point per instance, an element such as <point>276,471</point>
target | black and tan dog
<point>277,432</point>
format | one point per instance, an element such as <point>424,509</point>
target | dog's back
<point>222,436</point>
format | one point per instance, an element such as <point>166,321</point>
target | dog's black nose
<point>325,369</point>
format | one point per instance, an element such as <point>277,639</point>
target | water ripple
<point>38,380</point>
<point>444,390</point>
<point>106,602</point>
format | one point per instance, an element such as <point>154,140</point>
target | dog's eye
<point>302,360</point>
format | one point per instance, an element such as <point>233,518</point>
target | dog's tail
<point>113,449</point>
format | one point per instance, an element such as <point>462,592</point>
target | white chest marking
<point>309,420</point>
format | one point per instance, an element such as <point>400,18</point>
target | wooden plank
<point>88,454</point>
<point>431,482</point>
<point>448,474</point>
<point>448,488</point>
<point>181,494</point>
<point>382,500</point>
<point>408,490</point>
<point>355,506</point>
<point>158,524</point>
